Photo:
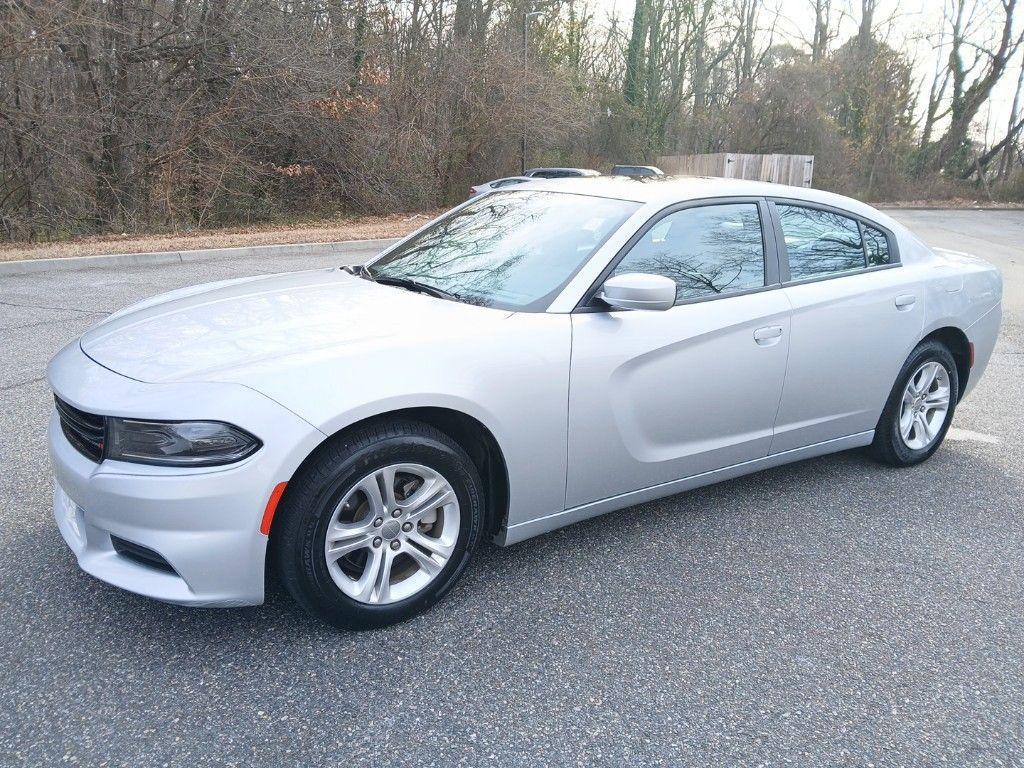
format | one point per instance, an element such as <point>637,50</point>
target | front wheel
<point>920,407</point>
<point>378,525</point>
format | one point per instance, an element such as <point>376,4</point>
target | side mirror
<point>638,291</point>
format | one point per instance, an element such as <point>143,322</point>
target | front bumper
<point>203,522</point>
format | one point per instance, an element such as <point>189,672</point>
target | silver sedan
<point>536,356</point>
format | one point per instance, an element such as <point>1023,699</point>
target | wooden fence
<point>796,170</point>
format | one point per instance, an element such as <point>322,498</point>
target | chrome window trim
<point>848,273</point>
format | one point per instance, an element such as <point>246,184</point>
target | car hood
<point>209,331</point>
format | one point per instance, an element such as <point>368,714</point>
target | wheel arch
<point>956,341</point>
<point>472,435</point>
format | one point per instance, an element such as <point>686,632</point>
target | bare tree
<point>1014,125</point>
<point>154,114</point>
<point>973,68</point>
<point>823,31</point>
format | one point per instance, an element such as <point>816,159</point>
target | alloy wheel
<point>392,534</point>
<point>924,406</point>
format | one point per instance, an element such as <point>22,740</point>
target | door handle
<point>905,302</point>
<point>768,335</point>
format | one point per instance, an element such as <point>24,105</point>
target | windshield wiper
<point>359,270</point>
<point>412,285</point>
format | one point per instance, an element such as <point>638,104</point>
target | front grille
<point>85,431</point>
<point>140,554</point>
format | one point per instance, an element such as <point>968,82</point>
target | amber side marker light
<point>970,354</point>
<point>268,513</point>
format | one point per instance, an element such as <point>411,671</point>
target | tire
<point>338,482</point>
<point>890,446</point>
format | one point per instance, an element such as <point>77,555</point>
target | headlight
<point>178,443</point>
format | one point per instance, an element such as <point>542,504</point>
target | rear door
<point>659,396</point>
<point>856,316</point>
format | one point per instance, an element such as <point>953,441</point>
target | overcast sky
<point>913,26</point>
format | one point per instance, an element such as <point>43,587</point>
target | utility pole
<point>526,70</point>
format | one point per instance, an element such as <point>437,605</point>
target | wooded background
<point>144,115</point>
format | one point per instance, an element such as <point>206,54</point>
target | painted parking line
<point>955,433</point>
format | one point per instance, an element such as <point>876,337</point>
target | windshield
<point>634,170</point>
<point>509,250</point>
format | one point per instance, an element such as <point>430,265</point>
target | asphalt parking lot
<point>832,612</point>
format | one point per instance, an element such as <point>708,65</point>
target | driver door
<point>657,396</point>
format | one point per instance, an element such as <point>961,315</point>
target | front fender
<point>512,377</point>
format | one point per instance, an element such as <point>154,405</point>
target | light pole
<point>526,69</point>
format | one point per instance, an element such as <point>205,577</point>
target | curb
<point>942,208</point>
<point>74,263</point>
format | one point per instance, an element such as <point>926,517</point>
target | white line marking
<point>965,434</point>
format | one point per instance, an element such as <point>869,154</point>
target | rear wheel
<point>920,407</point>
<point>378,525</point>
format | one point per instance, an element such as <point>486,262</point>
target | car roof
<point>668,190</point>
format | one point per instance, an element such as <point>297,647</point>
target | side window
<point>876,244</point>
<point>820,242</point>
<point>707,251</point>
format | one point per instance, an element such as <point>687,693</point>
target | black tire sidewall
<point>302,559</point>
<point>888,440</point>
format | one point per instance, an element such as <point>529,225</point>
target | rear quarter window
<point>876,246</point>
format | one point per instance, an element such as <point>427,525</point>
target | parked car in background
<point>533,173</point>
<point>636,170</point>
<point>560,173</point>
<point>535,357</point>
<point>508,181</point>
